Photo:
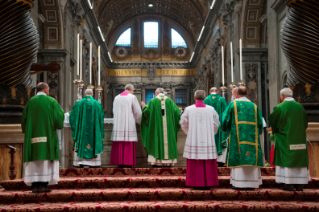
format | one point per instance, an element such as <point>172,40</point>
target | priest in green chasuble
<point>41,117</point>
<point>219,104</point>
<point>244,123</point>
<point>159,127</point>
<point>87,125</point>
<point>289,123</point>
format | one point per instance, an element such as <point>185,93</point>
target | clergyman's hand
<point>143,103</point>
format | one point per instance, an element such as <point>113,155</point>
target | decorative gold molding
<point>143,72</point>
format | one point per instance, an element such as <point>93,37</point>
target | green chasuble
<point>159,127</point>
<point>87,125</point>
<point>289,122</point>
<point>41,118</point>
<point>243,120</point>
<point>219,104</point>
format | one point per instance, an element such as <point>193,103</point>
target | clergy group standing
<point>159,127</point>
<point>127,113</point>
<point>219,104</point>
<point>87,125</point>
<point>200,122</point>
<point>289,123</point>
<point>243,121</point>
<point>42,116</point>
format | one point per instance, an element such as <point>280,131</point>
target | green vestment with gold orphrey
<point>87,125</point>
<point>219,104</point>
<point>289,122</point>
<point>152,129</point>
<point>41,117</point>
<point>243,121</point>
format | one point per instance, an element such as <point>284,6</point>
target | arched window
<point>151,35</point>
<point>177,39</point>
<point>124,39</point>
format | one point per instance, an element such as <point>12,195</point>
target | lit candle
<point>241,59</point>
<point>223,77</point>
<point>78,56</point>
<point>99,65</point>
<point>90,69</point>
<point>231,62</point>
<point>81,44</point>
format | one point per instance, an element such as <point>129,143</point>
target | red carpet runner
<point>153,189</point>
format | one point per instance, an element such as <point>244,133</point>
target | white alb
<point>200,124</point>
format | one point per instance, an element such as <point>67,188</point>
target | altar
<point>66,148</point>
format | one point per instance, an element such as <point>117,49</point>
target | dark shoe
<point>288,187</point>
<point>35,190</point>
<point>44,189</point>
<point>94,167</point>
<point>199,188</point>
<point>238,189</point>
<point>219,164</point>
<point>299,187</point>
<point>249,189</point>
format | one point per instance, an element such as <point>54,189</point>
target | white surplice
<point>127,112</point>
<point>41,170</point>
<point>245,176</point>
<point>200,124</point>
<point>292,175</point>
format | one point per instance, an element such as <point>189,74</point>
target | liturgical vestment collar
<point>289,99</point>
<point>41,93</point>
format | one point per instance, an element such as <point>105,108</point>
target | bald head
<point>88,92</point>
<point>234,92</point>
<point>242,91</point>
<point>213,90</point>
<point>43,87</point>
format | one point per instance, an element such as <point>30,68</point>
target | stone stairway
<point>153,189</point>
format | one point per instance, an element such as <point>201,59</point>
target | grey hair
<point>286,92</point>
<point>129,87</point>
<point>88,92</point>
<point>200,95</point>
<point>213,89</point>
<point>159,90</point>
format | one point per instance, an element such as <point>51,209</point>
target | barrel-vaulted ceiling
<point>190,14</point>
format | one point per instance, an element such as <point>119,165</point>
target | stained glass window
<point>151,35</point>
<point>149,94</point>
<point>124,39</point>
<point>181,96</point>
<point>177,39</point>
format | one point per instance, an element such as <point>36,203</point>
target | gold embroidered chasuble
<point>243,121</point>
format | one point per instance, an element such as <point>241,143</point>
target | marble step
<point>156,194</point>
<point>126,181</point>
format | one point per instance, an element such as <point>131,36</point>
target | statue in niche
<point>151,72</point>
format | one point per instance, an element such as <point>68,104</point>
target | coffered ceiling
<point>190,14</point>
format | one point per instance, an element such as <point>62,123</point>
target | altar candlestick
<point>99,65</point>
<point>231,62</point>
<point>90,69</point>
<point>78,56</point>
<point>223,74</point>
<point>81,44</point>
<point>241,59</point>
